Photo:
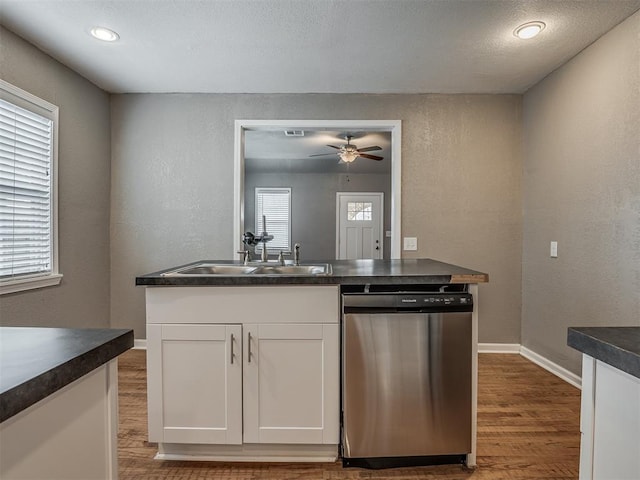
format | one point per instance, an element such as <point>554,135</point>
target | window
<point>28,152</point>
<point>359,211</point>
<point>274,204</point>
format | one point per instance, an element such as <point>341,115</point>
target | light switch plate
<point>553,250</point>
<point>410,243</point>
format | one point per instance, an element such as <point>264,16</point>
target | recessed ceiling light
<point>104,34</point>
<point>529,30</point>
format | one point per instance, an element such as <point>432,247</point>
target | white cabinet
<point>609,422</point>
<point>290,392</point>
<point>71,434</point>
<point>195,385</point>
<point>234,368</point>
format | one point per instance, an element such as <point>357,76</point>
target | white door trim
<point>393,126</point>
<point>380,195</point>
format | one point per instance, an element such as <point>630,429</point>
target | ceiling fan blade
<point>370,157</point>
<point>369,149</point>
<point>333,146</point>
<point>322,154</point>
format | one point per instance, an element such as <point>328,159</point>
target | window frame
<point>257,214</point>
<point>26,100</point>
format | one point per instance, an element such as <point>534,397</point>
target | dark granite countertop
<point>36,362</point>
<point>616,346</point>
<point>345,272</point>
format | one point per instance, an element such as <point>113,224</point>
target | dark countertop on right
<point>616,346</point>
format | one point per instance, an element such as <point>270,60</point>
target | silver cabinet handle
<point>232,354</point>
<point>248,347</point>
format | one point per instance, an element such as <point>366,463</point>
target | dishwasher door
<point>406,385</point>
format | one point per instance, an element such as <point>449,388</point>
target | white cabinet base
<point>71,434</point>
<point>609,423</point>
<point>248,452</point>
<point>244,373</point>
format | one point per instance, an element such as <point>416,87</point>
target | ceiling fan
<point>349,152</point>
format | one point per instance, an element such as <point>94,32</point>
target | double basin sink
<point>230,269</point>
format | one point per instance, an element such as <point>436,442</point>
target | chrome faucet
<point>296,254</point>
<point>246,256</point>
<point>281,256</point>
<point>264,238</point>
<point>251,240</point>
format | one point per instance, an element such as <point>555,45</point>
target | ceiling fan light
<point>529,30</point>
<point>348,156</point>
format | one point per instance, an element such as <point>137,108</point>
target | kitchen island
<point>610,408</point>
<point>268,345</point>
<point>58,402</point>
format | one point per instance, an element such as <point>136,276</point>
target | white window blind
<point>275,205</point>
<point>26,146</point>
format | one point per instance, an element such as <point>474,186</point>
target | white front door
<point>359,225</point>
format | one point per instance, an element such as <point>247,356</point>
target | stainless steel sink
<point>213,269</point>
<point>230,269</point>
<point>319,269</point>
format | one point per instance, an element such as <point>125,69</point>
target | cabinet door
<point>291,383</point>
<point>195,383</point>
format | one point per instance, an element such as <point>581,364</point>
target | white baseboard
<point>552,367</point>
<point>498,348</point>
<point>534,357</point>
<point>140,344</point>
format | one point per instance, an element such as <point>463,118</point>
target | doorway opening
<point>392,129</point>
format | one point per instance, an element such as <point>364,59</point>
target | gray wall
<point>461,196</point>
<point>172,184</point>
<point>82,299</point>
<point>463,189</point>
<point>582,189</point>
<point>313,206</point>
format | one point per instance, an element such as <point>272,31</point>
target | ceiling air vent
<point>294,133</point>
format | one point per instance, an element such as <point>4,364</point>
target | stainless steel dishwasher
<point>406,377</point>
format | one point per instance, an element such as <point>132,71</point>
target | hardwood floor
<point>528,428</point>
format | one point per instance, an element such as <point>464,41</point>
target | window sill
<point>13,286</point>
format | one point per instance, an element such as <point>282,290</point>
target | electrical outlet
<point>553,250</point>
<point>410,243</point>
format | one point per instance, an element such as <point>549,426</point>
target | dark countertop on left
<point>616,346</point>
<point>36,362</point>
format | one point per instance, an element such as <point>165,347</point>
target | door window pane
<point>359,211</point>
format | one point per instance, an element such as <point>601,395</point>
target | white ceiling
<point>301,46</point>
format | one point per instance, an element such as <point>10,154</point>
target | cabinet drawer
<point>261,304</point>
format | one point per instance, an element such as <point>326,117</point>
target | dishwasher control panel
<point>434,299</point>
<point>411,301</point>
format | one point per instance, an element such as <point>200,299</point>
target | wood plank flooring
<point>528,428</point>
